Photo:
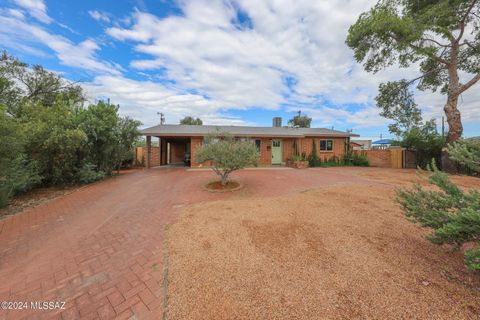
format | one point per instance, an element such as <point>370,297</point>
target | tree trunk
<point>224,179</point>
<point>455,131</point>
<point>455,128</point>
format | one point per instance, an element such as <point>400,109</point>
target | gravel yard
<point>342,251</point>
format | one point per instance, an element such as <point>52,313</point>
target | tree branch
<point>413,46</point>
<point>439,59</point>
<point>462,22</point>
<point>470,83</point>
<point>436,42</point>
<point>424,75</point>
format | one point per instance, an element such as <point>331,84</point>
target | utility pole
<point>162,118</point>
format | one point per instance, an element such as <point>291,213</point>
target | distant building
<point>361,144</point>
<point>382,144</point>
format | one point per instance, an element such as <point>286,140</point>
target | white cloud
<point>18,33</point>
<point>240,67</point>
<point>288,53</point>
<point>36,8</point>
<point>143,99</point>
<point>243,67</point>
<point>99,16</point>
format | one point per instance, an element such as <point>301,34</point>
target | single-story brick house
<point>275,144</point>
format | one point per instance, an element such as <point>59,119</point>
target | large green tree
<point>20,82</point>
<point>300,121</point>
<point>441,37</point>
<point>191,121</point>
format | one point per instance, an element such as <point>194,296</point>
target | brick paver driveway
<point>99,249</point>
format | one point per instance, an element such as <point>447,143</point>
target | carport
<point>171,151</point>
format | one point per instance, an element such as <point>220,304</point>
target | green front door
<point>276,151</point>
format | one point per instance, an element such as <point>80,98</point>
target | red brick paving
<point>99,249</point>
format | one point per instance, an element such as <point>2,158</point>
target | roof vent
<point>277,122</point>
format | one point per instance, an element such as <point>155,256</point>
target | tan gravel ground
<point>338,252</point>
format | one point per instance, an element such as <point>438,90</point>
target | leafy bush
<point>295,157</point>
<point>466,153</point>
<point>332,162</point>
<point>53,141</point>
<point>425,141</point>
<point>17,176</point>
<point>227,154</point>
<point>454,215</point>
<point>89,173</point>
<point>360,160</point>
<point>48,135</point>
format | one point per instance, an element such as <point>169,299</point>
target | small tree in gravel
<point>227,154</point>
<point>453,214</point>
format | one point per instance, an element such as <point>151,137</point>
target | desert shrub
<point>331,162</point>
<point>350,158</point>
<point>467,153</point>
<point>89,173</point>
<point>227,154</point>
<point>47,134</point>
<point>360,160</point>
<point>5,194</point>
<point>111,138</point>
<point>425,141</point>
<point>53,141</point>
<point>297,157</point>
<point>452,214</point>
<point>17,172</point>
<point>18,176</point>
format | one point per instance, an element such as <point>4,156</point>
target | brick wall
<point>195,142</point>
<point>377,158</point>
<point>265,151</point>
<point>154,157</point>
<point>177,151</point>
<point>305,145</point>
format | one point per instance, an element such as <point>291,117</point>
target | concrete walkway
<point>99,249</point>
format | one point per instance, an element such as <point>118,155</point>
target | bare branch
<point>424,75</point>
<point>470,83</point>
<point>436,42</point>
<point>466,42</point>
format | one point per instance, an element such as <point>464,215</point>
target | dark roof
<point>192,130</point>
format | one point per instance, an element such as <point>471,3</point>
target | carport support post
<point>149,150</point>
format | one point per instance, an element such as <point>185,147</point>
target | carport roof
<point>174,130</point>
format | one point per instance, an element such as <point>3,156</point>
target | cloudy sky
<point>227,62</point>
